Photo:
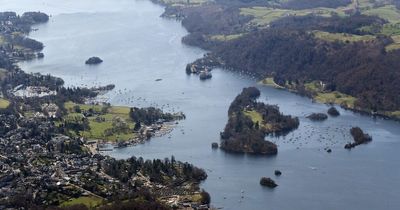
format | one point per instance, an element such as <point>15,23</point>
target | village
<point>51,138</point>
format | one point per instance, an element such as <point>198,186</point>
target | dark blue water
<point>138,47</point>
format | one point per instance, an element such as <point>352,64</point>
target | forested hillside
<point>349,48</point>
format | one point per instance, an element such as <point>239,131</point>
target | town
<point>50,141</point>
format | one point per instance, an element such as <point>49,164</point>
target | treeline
<point>21,40</point>
<point>149,115</point>
<point>242,134</point>
<point>21,23</point>
<point>159,171</point>
<point>213,19</point>
<point>5,62</point>
<point>18,77</point>
<point>142,200</point>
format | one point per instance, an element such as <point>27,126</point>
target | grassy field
<point>395,114</point>
<point>341,37</point>
<point>254,115</point>
<point>184,2</point>
<point>264,15</point>
<point>395,45</point>
<point>101,123</point>
<point>314,87</point>
<point>336,98</point>
<point>329,97</point>
<point>88,201</point>
<point>4,103</point>
<point>269,81</point>
<point>391,29</point>
<point>387,12</point>
<point>225,37</point>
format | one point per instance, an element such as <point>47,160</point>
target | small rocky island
<point>317,116</point>
<point>268,182</point>
<point>204,75</point>
<point>250,121</point>
<point>359,138</point>
<point>93,61</point>
<point>333,112</point>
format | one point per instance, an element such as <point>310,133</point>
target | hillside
<point>349,47</point>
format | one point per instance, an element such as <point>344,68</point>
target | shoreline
<point>58,155</point>
<point>95,145</point>
<point>309,95</point>
<point>210,61</point>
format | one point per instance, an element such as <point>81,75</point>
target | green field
<point>391,29</point>
<point>387,12</point>
<point>336,98</point>
<point>395,114</point>
<point>184,2</point>
<point>314,87</point>
<point>343,37</point>
<point>264,15</point>
<point>4,103</point>
<point>254,115</point>
<point>395,45</point>
<point>88,201</point>
<point>225,37</point>
<point>103,125</point>
<point>269,81</point>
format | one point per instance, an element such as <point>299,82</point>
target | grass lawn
<point>391,29</point>
<point>257,117</point>
<point>254,115</point>
<point>336,98</point>
<point>225,38</point>
<point>4,103</point>
<point>313,87</point>
<point>395,114</point>
<point>98,128</point>
<point>270,82</point>
<point>184,2</point>
<point>395,45</point>
<point>88,201</point>
<point>387,12</point>
<point>341,37</point>
<point>84,107</point>
<point>264,15</point>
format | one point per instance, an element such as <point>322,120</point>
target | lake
<point>138,48</point>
